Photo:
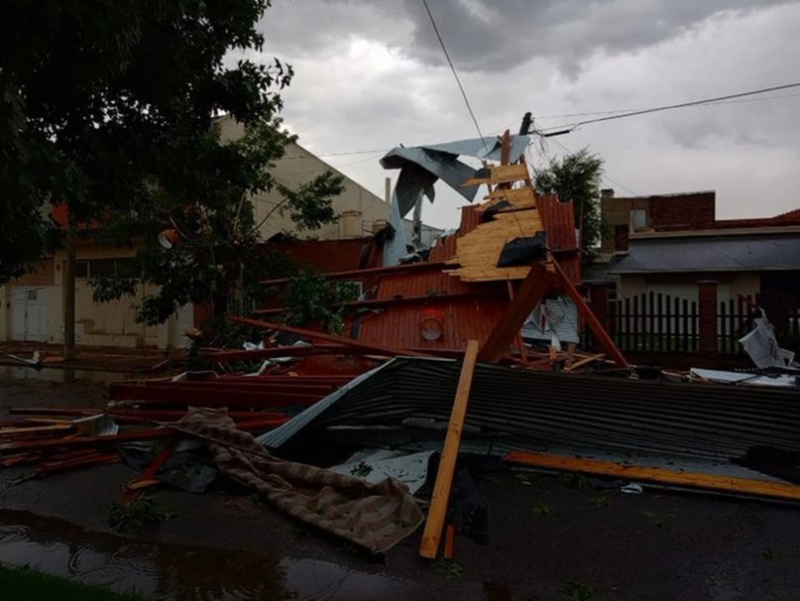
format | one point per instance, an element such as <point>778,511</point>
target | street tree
<point>110,107</point>
<point>577,177</point>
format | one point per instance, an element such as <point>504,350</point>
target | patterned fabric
<point>374,516</point>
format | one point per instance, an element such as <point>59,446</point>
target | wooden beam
<point>369,348</point>
<point>369,272</point>
<point>585,310</point>
<point>260,425</point>
<point>584,361</point>
<point>437,513</point>
<point>533,289</point>
<point>505,148</point>
<point>761,488</point>
<point>377,303</point>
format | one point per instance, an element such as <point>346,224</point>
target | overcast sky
<point>370,75</point>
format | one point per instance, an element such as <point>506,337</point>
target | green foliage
<point>577,177</point>
<point>313,298</point>
<point>25,584</point>
<point>449,568</point>
<point>145,510</point>
<point>112,109</point>
<point>575,590</point>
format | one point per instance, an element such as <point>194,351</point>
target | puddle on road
<point>57,374</point>
<point>168,572</point>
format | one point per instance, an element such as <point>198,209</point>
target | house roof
<point>755,252</point>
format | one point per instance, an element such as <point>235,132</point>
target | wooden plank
<point>370,348</point>
<point>450,542</point>
<point>597,328</point>
<point>132,436</point>
<point>534,287</point>
<point>500,174</point>
<point>429,547</point>
<point>761,488</point>
<point>584,361</point>
<point>515,196</point>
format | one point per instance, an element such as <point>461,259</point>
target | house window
<point>102,267</point>
<point>126,268</point>
<point>82,269</point>
<point>32,295</point>
<point>638,219</point>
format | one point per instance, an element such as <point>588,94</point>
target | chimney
<point>607,193</point>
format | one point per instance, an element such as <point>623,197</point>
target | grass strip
<point>26,584</point>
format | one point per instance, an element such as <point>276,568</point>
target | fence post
<point>707,309</point>
<point>598,301</point>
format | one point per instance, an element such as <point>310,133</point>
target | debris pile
<point>468,348</point>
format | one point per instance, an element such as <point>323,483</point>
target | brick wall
<point>44,275</point>
<point>683,211</point>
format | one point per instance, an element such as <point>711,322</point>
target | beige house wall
<point>730,285</point>
<point>358,209</point>
<point>114,323</point>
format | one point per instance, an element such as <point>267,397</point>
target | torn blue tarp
<point>421,166</point>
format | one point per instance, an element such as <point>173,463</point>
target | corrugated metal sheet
<point>431,283</point>
<point>710,253</point>
<point>471,216</point>
<point>464,319</point>
<point>325,256</point>
<point>598,412</point>
<point>558,219</point>
<point>445,248</point>
<point>557,316</point>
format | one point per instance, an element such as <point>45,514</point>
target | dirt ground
<point>551,537</point>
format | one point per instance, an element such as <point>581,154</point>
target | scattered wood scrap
<point>760,488</point>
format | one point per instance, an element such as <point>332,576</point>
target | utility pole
<point>69,291</point>
<point>525,127</point>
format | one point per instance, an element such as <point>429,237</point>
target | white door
<point>184,319</point>
<point>28,314</point>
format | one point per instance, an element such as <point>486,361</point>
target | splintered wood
<point>478,252</point>
<point>519,198</point>
<point>501,174</point>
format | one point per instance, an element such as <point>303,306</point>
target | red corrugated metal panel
<point>430,283</point>
<point>325,255</point>
<point>470,219</point>
<point>465,319</point>
<point>558,219</point>
<point>445,248</point>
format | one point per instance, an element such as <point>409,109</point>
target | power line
<point>453,69</point>
<point>717,99</point>
<point>604,176</point>
<point>627,110</point>
<point>336,154</point>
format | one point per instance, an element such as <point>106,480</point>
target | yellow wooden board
<point>518,198</point>
<point>432,536</point>
<point>477,253</point>
<point>781,490</point>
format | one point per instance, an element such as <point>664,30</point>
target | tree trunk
<point>69,296</point>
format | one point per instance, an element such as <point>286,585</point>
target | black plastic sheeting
<point>523,251</point>
<point>594,411</point>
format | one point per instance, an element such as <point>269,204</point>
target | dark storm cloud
<point>490,34</point>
